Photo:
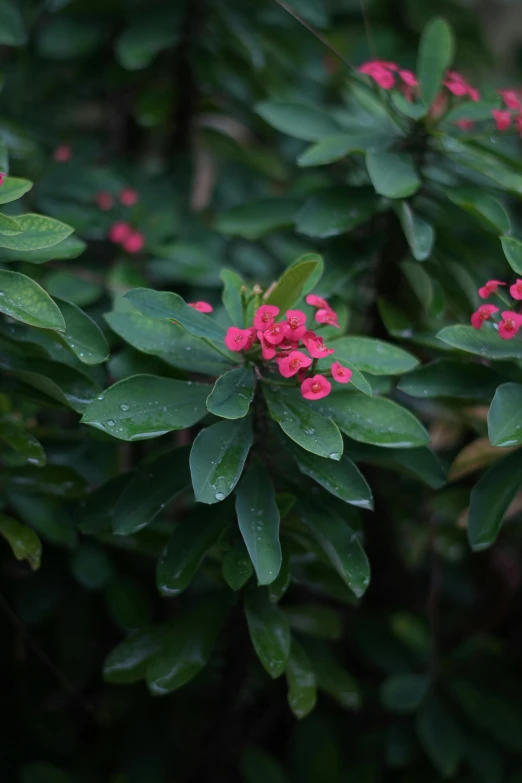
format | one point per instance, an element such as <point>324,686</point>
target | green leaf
<point>374,420</point>
<point>333,148</point>
<point>254,220</point>
<point>341,479</point>
<point>451,378</point>
<point>303,423</point>
<point>126,663</point>
<point>66,37</point>
<point>485,343</point>
<point>23,541</point>
<point>166,305</point>
<point>512,248</point>
<point>404,692</point>
<point>393,174</point>
<point>187,646</point>
<point>335,211</point>
<point>91,566</point>
<point>471,110</point>
<point>146,37</point>
<point>218,457</point>
<point>260,766</point>
<point>332,678</point>
<point>82,335</point>
<point>37,232</point>
<point>147,406</point>
<point>300,678</point>
<point>269,631</point>
<point>436,51</point>
<point>488,209</point>
<point>420,463</point>
<point>505,416</point>
<point>258,519</point>
<point>187,547</point>
<point>152,486</point>
<point>340,545</point>
<point>70,247</point>
<point>419,234</point>
<point>22,442</point>
<point>13,187</point>
<point>24,300</point>
<point>490,499</point>
<point>232,393</point>
<point>317,620</point>
<point>375,357</point>
<point>169,342</point>
<point>289,288</point>
<point>439,735</point>
<point>12,30</point>
<point>298,120</point>
<point>96,513</point>
<point>232,301</point>
<point>497,714</point>
<point>9,226</point>
<point>237,566</point>
<point>53,480</point>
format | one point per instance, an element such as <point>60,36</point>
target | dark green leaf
<point>323,622</point>
<point>404,692</point>
<point>512,248</point>
<point>259,766</point>
<point>269,631</point>
<point>333,148</point>
<point>232,393</point>
<point>23,541</point>
<point>332,678</point>
<point>505,416</point>
<point>419,234</point>
<point>289,288</point>
<point>13,187</point>
<point>68,248</point>
<point>439,735</point>
<point>57,480</point>
<point>488,209</point>
<point>126,663</point>
<point>218,457</point>
<point>146,406</point>
<point>490,499</point>
<point>37,232</point>
<point>9,226</point>
<point>450,378</point>
<point>375,357</point>
<point>166,305</point>
<point>485,342</point>
<point>392,174</point>
<point>24,300</point>
<point>258,519</point>
<point>298,120</point>
<point>254,220</point>
<point>420,463</point>
<point>300,678</point>
<point>232,301</point>
<point>91,566</point>
<point>82,335</point>
<point>435,56</point>
<point>237,566</point>
<point>335,211</point>
<point>145,38</point>
<point>12,30</point>
<point>22,442</point>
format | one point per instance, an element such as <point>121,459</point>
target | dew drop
<point>124,406</point>
<point>100,397</point>
<point>334,455</point>
<point>111,423</point>
<point>220,495</point>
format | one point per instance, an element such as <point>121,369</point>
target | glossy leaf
<point>24,300</point>
<point>37,232</point>
<point>335,211</point>
<point>512,248</point>
<point>13,188</point>
<point>126,663</point>
<point>375,357</point>
<point>374,420</point>
<point>269,632</point>
<point>152,486</point>
<point>436,51</point>
<point>298,120</point>
<point>332,678</point>
<point>340,544</point>
<point>322,622</point>
<point>404,692</point>
<point>147,406</point>
<point>333,148</point>
<point>505,416</point>
<point>9,226</point>
<point>290,286</point>
<point>23,541</point>
<point>166,305</point>
<point>258,519</point>
<point>91,566</point>
<point>300,678</point>
<point>490,499</point>
<point>392,174</point>
<point>232,393</point>
<point>485,343</point>
<point>254,220</point>
<point>218,457</point>
<point>439,735</point>
<point>187,547</point>
<point>303,423</point>
<point>451,378</point>
<point>488,209</point>
<point>22,442</point>
<point>70,247</point>
<point>232,301</point>
<point>186,646</point>
<point>82,335</point>
<point>420,463</point>
<point>419,234</point>
<point>237,566</point>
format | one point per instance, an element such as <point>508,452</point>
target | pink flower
<point>380,72</point>
<point>291,364</point>
<point>202,307</point>
<point>316,387</point>
<point>518,121</point>
<point>264,316</point>
<point>134,243</point>
<point>510,324</point>
<point>62,153</point>
<point>104,200</point>
<point>473,94</point>
<point>274,334</point>
<point>465,125</point>
<point>502,119</point>
<point>490,288</point>
<point>458,85</point>
<point>2,177</point>
<point>316,301</point>
<point>315,346</point>
<point>327,317</point>
<point>516,289</point>
<point>128,196</point>
<point>120,232</point>
<point>484,313</point>
<point>268,351</point>
<point>295,325</point>
<point>237,339</point>
<point>510,98</point>
<point>408,78</point>
<point>289,345</point>
<point>341,374</point>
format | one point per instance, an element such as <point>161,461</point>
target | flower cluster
<point>294,348</point>
<point>384,74</point>
<point>121,233</point>
<point>511,321</point>
<point>512,111</point>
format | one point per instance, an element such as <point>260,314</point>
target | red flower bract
<point>292,363</point>
<point>489,288</point>
<point>317,301</point>
<point>2,177</point>
<point>327,317</point>
<point>134,243</point>
<point>502,119</point>
<point>202,307</point>
<point>237,339</point>
<point>268,351</point>
<point>128,196</point>
<point>482,314</point>
<point>295,325</point>
<point>104,200</point>
<point>274,334</point>
<point>315,388</point>
<point>265,316</point>
<point>315,345</point>
<point>516,289</point>
<point>62,153</point>
<point>510,324</point>
<point>120,232</point>
<point>341,374</point>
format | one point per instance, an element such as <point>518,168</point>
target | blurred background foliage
<point>167,98</point>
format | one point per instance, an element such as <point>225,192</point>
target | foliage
<point>222,560</point>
